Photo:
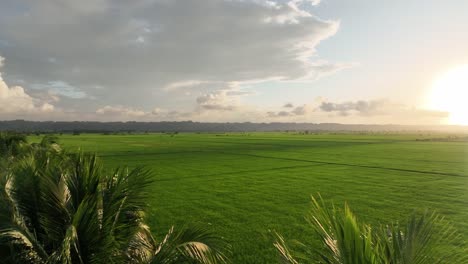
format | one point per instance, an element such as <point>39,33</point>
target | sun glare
<point>450,93</point>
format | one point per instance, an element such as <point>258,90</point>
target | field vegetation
<point>247,187</point>
<point>59,207</point>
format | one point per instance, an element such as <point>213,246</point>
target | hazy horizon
<point>261,61</point>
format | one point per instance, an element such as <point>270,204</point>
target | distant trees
<point>345,240</point>
<point>58,207</point>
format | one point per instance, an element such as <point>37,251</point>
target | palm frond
<point>345,240</point>
<point>419,241</point>
<point>191,245</point>
<point>95,246</point>
<point>24,245</point>
<point>11,144</point>
<point>142,246</point>
<point>84,176</point>
<point>284,251</point>
<point>125,195</point>
<point>54,214</point>
<point>22,189</point>
<point>69,250</point>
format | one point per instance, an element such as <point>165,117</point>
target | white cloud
<point>380,111</point>
<point>312,2</point>
<point>216,101</point>
<point>46,107</point>
<point>183,84</point>
<point>226,99</point>
<point>120,111</point>
<point>141,51</point>
<point>123,113</point>
<point>15,102</point>
<point>295,111</point>
<point>219,105</point>
<point>384,110</point>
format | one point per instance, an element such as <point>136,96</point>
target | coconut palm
<point>63,208</point>
<point>10,143</point>
<point>420,241</point>
<point>345,240</point>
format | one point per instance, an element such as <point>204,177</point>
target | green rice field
<point>247,186</point>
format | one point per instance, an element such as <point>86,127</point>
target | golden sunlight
<point>450,93</point>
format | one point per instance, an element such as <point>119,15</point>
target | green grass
<point>248,185</point>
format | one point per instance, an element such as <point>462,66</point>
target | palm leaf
<point>69,249</point>
<point>284,251</point>
<point>191,245</point>
<point>420,240</point>
<point>346,240</point>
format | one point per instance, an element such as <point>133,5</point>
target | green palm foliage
<point>11,143</point>
<point>189,244</point>
<point>418,241</point>
<point>64,208</point>
<point>345,240</point>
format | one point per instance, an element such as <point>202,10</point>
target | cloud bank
<point>15,101</point>
<point>155,60</point>
<point>139,54</point>
<point>381,108</point>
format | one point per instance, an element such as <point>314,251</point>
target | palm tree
<point>345,240</point>
<point>10,143</point>
<point>57,207</point>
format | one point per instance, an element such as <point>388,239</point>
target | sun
<point>450,93</point>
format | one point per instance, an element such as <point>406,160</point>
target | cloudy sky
<point>361,61</point>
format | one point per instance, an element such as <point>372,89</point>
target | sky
<point>329,61</point>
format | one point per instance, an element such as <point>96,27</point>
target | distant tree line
<point>189,126</point>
